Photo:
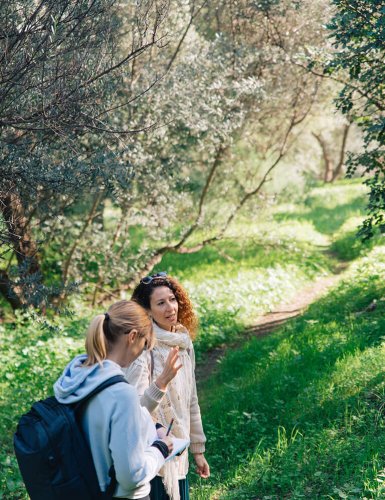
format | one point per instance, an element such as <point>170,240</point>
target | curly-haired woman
<point>175,325</point>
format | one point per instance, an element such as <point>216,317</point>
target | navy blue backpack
<point>53,455</point>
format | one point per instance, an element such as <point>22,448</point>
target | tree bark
<point>21,242</point>
<point>338,170</point>
<point>7,291</point>
<point>328,162</point>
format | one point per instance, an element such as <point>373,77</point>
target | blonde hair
<point>120,319</point>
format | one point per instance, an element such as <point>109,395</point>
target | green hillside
<point>303,416</point>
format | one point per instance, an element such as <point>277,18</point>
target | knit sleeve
<point>197,436</point>
<point>138,375</point>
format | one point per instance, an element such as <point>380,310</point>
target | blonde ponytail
<point>96,344</point>
<point>105,329</point>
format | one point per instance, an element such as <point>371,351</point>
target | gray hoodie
<point>117,428</point>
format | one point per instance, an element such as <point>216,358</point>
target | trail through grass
<point>300,414</point>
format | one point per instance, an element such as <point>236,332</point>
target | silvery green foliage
<point>219,73</point>
<point>220,89</point>
<point>62,63</point>
<point>357,30</point>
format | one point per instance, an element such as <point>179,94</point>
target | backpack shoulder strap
<point>77,408</point>
<point>111,381</point>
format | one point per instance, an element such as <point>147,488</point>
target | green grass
<point>276,423</point>
<point>234,282</point>
<point>266,258</point>
<point>347,246</point>
<point>32,355</point>
<point>300,414</point>
<point>328,208</point>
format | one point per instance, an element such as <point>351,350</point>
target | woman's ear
<point>132,335</point>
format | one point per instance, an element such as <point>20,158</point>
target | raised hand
<point>170,369</point>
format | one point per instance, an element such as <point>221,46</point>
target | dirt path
<point>271,321</point>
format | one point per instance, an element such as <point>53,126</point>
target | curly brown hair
<point>186,314</point>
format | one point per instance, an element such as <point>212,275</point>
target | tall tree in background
<point>358,30</point>
<point>244,88</point>
<point>333,162</point>
<point>227,77</point>
<point>143,110</point>
<point>61,62</point>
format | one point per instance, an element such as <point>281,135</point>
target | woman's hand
<point>161,432</point>
<point>178,328</point>
<point>169,443</point>
<point>202,467</point>
<point>170,369</point>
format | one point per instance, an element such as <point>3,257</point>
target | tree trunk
<point>338,170</point>
<point>6,290</point>
<point>21,242</point>
<point>328,162</point>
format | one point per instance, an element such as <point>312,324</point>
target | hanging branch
<point>158,254</point>
<point>296,119</point>
<point>194,14</point>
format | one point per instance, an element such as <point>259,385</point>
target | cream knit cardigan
<point>179,402</point>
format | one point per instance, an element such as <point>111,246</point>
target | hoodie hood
<point>77,380</point>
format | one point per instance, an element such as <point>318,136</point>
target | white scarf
<point>172,399</point>
<point>180,338</point>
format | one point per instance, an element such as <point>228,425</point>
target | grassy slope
<point>266,259</point>
<point>304,415</point>
<point>263,261</point>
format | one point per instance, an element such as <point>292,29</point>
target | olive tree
<point>233,80</point>
<point>357,30</point>
<point>62,63</point>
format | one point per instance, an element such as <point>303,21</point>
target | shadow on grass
<point>349,246</point>
<point>327,220</point>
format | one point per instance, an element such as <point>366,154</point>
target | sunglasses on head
<point>147,279</point>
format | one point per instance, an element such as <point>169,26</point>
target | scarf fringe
<point>170,480</point>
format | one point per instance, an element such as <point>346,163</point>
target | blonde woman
<point>120,432</point>
<point>175,325</point>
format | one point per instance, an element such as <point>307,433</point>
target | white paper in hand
<point>179,446</point>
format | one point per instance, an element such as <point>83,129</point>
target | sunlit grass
<point>327,208</point>
<point>266,259</point>
<point>300,414</point>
